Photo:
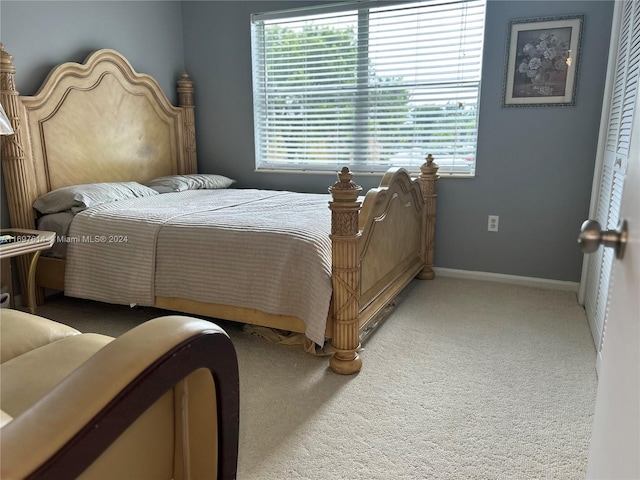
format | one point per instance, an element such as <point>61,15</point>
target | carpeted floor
<point>465,380</point>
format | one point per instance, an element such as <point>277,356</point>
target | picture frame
<point>542,60</point>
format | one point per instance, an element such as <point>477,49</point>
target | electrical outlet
<point>493,223</point>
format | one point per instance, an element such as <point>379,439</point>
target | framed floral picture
<point>541,67</point>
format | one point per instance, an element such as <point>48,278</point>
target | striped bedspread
<point>267,250</point>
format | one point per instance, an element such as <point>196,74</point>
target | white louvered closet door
<point>622,88</point>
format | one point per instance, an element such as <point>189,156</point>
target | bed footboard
<point>378,247</point>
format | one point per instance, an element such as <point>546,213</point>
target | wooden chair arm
<point>64,432</point>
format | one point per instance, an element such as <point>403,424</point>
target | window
<point>370,85</point>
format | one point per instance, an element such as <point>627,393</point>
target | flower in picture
<point>539,57</point>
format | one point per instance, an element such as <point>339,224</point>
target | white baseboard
<point>503,278</point>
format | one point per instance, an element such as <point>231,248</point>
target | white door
<point>613,153</point>
<point>615,440</point>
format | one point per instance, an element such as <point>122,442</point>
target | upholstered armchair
<point>159,402</point>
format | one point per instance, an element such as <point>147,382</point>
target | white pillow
<point>194,181</point>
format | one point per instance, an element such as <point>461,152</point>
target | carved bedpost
<point>428,186</point>
<point>15,167</point>
<point>186,101</point>
<point>345,274</point>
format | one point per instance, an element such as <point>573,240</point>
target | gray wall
<point>535,165</point>
<point>41,35</point>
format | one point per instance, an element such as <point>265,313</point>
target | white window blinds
<point>369,84</point>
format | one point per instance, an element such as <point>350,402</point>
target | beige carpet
<point>466,379</point>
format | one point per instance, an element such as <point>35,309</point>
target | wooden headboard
<point>99,121</point>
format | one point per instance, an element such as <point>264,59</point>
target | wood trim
<point>211,350</point>
<point>429,186</point>
<point>186,100</point>
<point>369,313</point>
<point>50,273</point>
<point>345,274</point>
<point>230,312</point>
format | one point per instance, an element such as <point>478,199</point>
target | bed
<point>102,122</point>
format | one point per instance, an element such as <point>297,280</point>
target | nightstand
<point>27,242</point>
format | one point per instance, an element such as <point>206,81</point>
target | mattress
<point>265,250</point>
